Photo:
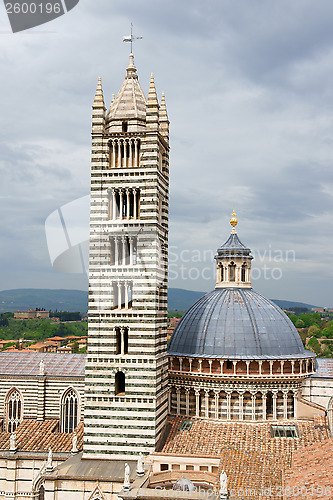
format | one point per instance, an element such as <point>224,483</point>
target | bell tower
<point>233,261</point>
<point>126,366</point>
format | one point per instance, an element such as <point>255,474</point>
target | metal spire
<point>131,38</point>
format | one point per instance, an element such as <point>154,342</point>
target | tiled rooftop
<point>39,436</point>
<point>251,458</point>
<point>56,365</point>
<point>311,473</point>
<point>324,368</point>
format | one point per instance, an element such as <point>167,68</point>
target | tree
<point>314,345</point>
<point>300,323</point>
<point>313,331</point>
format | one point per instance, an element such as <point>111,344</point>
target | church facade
<point>234,383</point>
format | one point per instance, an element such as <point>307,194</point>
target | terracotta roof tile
<point>35,435</point>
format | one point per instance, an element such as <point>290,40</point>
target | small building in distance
<point>31,314</point>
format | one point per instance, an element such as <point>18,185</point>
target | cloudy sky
<point>250,99</point>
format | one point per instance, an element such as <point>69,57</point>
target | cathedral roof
<point>39,436</point>
<point>130,101</point>
<point>236,323</point>
<point>55,365</point>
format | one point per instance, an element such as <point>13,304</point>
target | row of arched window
<point>228,273</point>
<point>69,410</point>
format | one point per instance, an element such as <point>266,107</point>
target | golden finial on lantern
<point>233,220</point>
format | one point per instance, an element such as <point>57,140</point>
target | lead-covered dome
<point>236,323</point>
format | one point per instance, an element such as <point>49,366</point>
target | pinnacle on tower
<point>152,106</point>
<point>152,95</point>
<point>131,69</point>
<point>163,118</point>
<point>98,115</point>
<point>99,96</point>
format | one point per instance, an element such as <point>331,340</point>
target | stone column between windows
<point>119,154</point>
<point>122,341</point>
<point>116,251</point>
<point>113,155</point>
<point>216,405</point>
<point>125,153</point>
<point>264,400</point>
<point>206,403</point>
<point>114,204</point>
<point>130,160</point>
<point>241,406</point>
<point>187,393</point>
<point>121,201</point>
<point>197,402</point>
<point>178,400</point>
<point>119,295</point>
<point>123,241</point>
<point>253,398</point>
<point>228,405</point>
<point>295,404</point>
<point>274,405</point>
<point>131,251</point>
<point>285,405</point>
<point>135,215</point>
<point>127,203</point>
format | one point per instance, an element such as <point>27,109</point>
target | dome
<point>236,323</point>
<point>183,484</point>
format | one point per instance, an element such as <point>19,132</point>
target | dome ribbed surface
<point>236,324</point>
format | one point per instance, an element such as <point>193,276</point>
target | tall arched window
<point>243,273</point>
<point>14,410</point>
<point>69,411</point>
<point>41,494</point>
<point>119,384</point>
<point>232,271</point>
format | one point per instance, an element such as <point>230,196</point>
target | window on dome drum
<point>14,413</point>
<point>243,272</point>
<point>229,365</point>
<point>119,384</point>
<point>232,271</point>
<point>124,127</point>
<point>285,431</point>
<point>69,411</point>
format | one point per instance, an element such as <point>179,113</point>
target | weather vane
<point>131,38</point>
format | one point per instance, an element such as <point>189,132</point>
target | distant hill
<point>30,298</point>
<point>289,305</point>
<point>77,300</point>
<point>181,300</point>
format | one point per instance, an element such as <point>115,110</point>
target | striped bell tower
<point>126,367</point>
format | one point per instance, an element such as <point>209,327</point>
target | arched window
<point>69,411</point>
<point>14,410</point>
<point>119,384</point>
<point>243,272</point>
<point>41,495</point>
<point>232,271</point>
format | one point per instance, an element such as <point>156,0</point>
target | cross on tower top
<point>131,38</point>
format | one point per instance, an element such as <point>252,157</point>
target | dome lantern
<point>233,261</point>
